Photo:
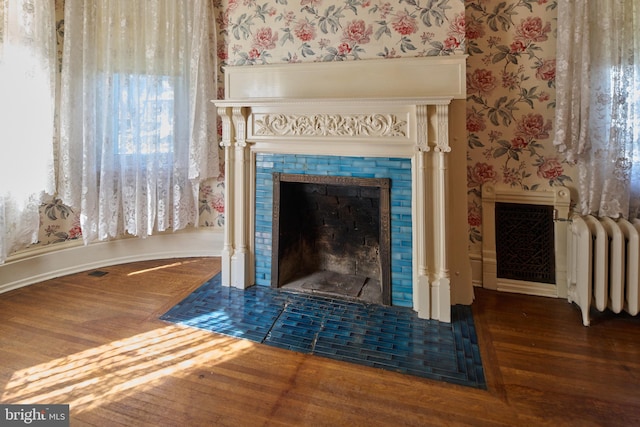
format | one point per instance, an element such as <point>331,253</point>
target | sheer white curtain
<point>137,128</point>
<point>27,101</point>
<point>598,102</point>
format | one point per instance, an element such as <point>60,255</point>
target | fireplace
<point>357,136</point>
<point>331,236</point>
<point>397,171</point>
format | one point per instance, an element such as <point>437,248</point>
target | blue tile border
<point>391,338</point>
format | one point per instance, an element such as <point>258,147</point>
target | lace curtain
<point>27,101</point>
<point>598,102</point>
<point>137,128</point>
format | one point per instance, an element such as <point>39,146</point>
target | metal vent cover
<point>525,242</point>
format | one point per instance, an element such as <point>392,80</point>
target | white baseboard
<point>527,288</point>
<point>55,260</point>
<point>507,285</point>
<point>476,268</point>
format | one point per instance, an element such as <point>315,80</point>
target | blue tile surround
<point>391,338</point>
<point>397,169</point>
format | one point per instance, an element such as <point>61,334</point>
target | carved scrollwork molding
<point>227,129</point>
<point>378,125</point>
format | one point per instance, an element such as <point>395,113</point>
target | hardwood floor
<point>96,344</point>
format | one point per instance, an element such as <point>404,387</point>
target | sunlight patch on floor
<point>92,377</point>
<point>160,267</point>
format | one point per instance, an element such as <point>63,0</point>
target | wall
<point>312,30</point>
<point>320,30</point>
<point>511,78</point>
<point>511,101</point>
<point>511,69</point>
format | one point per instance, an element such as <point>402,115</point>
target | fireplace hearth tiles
<point>397,169</point>
<point>390,338</point>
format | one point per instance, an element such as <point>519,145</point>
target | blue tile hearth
<point>391,338</point>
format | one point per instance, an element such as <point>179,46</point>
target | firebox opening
<point>331,236</point>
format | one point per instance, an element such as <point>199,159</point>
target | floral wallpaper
<point>322,30</point>
<point>510,100</point>
<point>510,78</point>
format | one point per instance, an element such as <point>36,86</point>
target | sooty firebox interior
<point>331,236</point>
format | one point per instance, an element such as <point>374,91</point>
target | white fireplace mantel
<point>300,109</point>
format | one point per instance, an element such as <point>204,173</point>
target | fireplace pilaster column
<point>422,283</point>
<point>226,143</point>
<point>241,258</point>
<point>441,286</point>
<point>432,287</point>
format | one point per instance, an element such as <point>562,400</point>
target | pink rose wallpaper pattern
<point>510,78</point>
<point>252,32</point>
<point>510,100</point>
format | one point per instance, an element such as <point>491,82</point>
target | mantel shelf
<point>388,101</point>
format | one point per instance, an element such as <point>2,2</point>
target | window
<point>27,75</point>
<point>135,115</point>
<point>598,103</point>
<point>145,117</point>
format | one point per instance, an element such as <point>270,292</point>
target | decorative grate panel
<point>525,242</point>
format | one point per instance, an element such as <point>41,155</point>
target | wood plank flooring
<point>96,344</point>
